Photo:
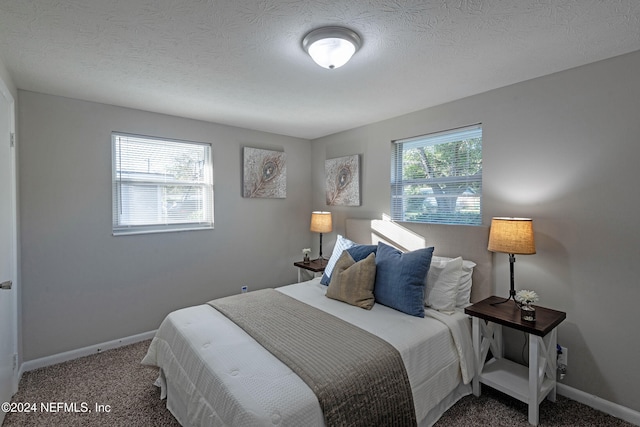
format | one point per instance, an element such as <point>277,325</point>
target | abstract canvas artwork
<point>265,174</point>
<point>343,181</point>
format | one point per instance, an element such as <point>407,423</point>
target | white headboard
<point>467,241</point>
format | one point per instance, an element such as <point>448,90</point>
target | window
<point>438,177</point>
<point>160,185</point>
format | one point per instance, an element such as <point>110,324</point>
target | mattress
<point>214,374</point>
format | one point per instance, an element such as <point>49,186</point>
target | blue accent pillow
<point>357,252</point>
<point>401,277</point>
<point>360,252</point>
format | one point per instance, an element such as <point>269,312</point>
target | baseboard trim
<point>54,359</point>
<point>600,404</point>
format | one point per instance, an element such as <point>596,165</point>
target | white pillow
<point>342,244</point>
<point>463,299</point>
<point>442,283</point>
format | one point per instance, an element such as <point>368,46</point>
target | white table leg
<point>486,336</point>
<point>534,380</point>
<point>477,354</point>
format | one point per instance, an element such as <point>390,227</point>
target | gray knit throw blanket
<point>358,378</point>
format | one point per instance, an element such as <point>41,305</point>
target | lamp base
<point>512,288</point>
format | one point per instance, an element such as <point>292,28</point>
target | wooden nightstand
<point>530,385</point>
<point>315,266</point>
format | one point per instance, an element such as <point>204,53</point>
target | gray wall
<point>562,149</point>
<point>81,285</point>
<point>5,76</point>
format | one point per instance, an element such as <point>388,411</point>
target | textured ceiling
<point>240,62</point>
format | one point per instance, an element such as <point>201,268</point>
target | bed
<point>213,373</point>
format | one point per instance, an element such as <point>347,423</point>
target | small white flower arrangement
<point>306,251</point>
<point>526,297</point>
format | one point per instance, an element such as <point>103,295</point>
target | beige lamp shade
<point>321,222</point>
<point>512,236</point>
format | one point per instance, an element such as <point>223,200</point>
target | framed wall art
<point>343,181</point>
<point>265,174</point>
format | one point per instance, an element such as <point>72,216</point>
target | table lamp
<point>321,223</point>
<point>511,236</point>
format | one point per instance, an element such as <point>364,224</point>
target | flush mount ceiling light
<point>331,47</point>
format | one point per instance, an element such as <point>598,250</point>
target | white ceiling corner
<point>240,62</point>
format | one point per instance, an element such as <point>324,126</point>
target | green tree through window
<point>160,184</point>
<point>438,178</point>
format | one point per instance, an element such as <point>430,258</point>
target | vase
<point>306,259</point>
<point>528,313</point>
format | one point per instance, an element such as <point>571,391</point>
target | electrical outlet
<point>564,356</point>
<point>244,289</point>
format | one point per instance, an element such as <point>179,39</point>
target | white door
<point>8,248</point>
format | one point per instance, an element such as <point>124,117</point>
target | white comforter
<point>214,374</point>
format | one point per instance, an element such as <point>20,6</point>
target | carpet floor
<point>116,380</point>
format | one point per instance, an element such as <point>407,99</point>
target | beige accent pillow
<point>352,282</point>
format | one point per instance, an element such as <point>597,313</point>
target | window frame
<point>398,211</point>
<point>166,224</point>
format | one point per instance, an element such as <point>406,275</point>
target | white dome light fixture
<point>331,47</point>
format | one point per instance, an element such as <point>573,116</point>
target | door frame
<point>17,370</point>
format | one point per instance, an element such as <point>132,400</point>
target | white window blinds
<point>437,178</point>
<point>160,185</point>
